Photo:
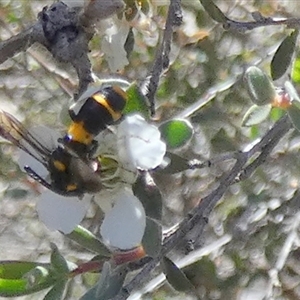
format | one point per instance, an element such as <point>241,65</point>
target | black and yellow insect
<point>92,113</point>
<point>69,174</point>
<point>72,169</point>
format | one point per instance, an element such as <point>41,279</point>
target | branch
<point>199,215</point>
<point>260,21</point>
<point>265,146</point>
<point>65,32</point>
<point>161,61</point>
<point>184,262</point>
<point>21,42</point>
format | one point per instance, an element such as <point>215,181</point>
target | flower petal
<point>59,212</point>
<point>124,225</point>
<point>113,46</point>
<point>139,143</point>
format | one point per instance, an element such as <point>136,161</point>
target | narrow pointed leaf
<point>58,262</point>
<point>283,56</point>
<point>176,133</point>
<point>214,11</point>
<point>88,240</point>
<point>148,193</point>
<point>57,291</point>
<point>256,114</point>
<point>101,284</point>
<point>152,239</point>
<point>113,285</point>
<point>109,284</point>
<point>176,277</point>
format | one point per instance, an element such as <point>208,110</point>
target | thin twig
<point>262,22</point>
<point>21,41</point>
<point>161,61</point>
<point>183,262</point>
<point>265,146</point>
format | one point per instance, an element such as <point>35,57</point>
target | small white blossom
<point>139,144</point>
<point>113,46</point>
<point>61,213</point>
<point>124,225</point>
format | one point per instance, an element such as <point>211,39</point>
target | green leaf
<point>110,283</point>
<point>102,283</point>
<point>57,291</point>
<point>15,269</point>
<point>256,114</point>
<point>254,132</point>
<point>89,241</point>
<point>136,101</point>
<point>148,193</point>
<point>214,12</point>
<point>58,262</point>
<point>283,56</point>
<point>110,288</point>
<point>276,113</point>
<point>175,165</point>
<point>15,278</point>
<point>260,87</point>
<point>294,114</point>
<point>176,277</point>
<point>296,70</point>
<point>176,133</point>
<point>152,239</point>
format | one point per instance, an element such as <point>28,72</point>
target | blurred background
<point>254,230</point>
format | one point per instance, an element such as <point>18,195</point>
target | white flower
<point>113,46</point>
<point>124,225</point>
<point>61,213</point>
<point>139,144</point>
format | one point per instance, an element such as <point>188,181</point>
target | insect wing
<point>13,130</point>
